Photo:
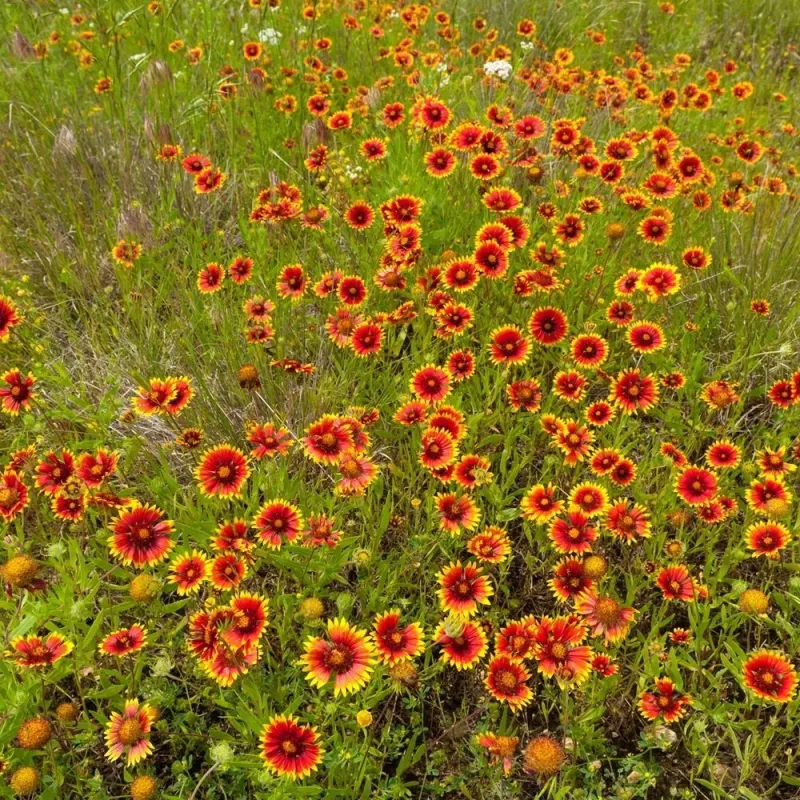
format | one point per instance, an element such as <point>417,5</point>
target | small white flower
<point>269,36</point>
<point>500,69</point>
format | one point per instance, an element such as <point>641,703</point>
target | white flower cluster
<point>269,36</point>
<point>498,69</point>
<point>353,172</point>
<point>444,75</point>
<point>527,46</point>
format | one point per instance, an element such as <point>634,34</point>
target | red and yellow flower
<point>769,675</point>
<point>663,702</point>
<point>189,571</point>
<point>30,652</point>
<point>463,643</point>
<point>128,733</point>
<point>463,588</point>
<point>124,641</point>
<point>290,749</point>
<point>141,536</point>
<point>278,521</point>
<point>507,682</point>
<point>222,472</point>
<point>394,641</point>
<point>17,393</point>
<point>604,615</point>
<point>345,655</point>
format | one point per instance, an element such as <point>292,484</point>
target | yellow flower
<point>364,718</point>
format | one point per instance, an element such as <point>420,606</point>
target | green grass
<point>79,172</point>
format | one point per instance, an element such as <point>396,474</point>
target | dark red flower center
<point>338,659</point>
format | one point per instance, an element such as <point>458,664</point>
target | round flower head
<point>767,495</point>
<point>94,468</point>
<point>456,512</point>
<point>461,275</point>
<point>664,702</point>
<point>128,733</point>
<point>327,439</point>
<point>463,588</point>
<point>769,675</point>
<point>501,748</point>
<point>53,472</point>
<point>233,535</point>
<point>573,440</point>
<point>437,449</point>
<point>9,317</point>
<point>394,641</point>
<point>723,455</point>
<point>30,652</point>
<point>209,180</point>
<point>473,471</point>
<point>24,780</point>
<point>628,521</point>
<point>278,521</point>
<point>589,498</point>
<point>268,441</point>
<point>539,504</point>
<point>524,394</point>
<point>321,532</point>
<point>463,643</point>
<point>543,756</point>
<point>589,350</point>
<point>604,615</point>
<point>506,682</point>
<point>439,163</point>
<point>491,545</point>
<point>17,393</point>
<point>222,472</point>
<point>570,230</point>
<point>484,167</point>
<point>570,579</point>
<point>603,461</point>
<point>357,473</point>
<point>249,614</point>
<point>155,397</point>
<point>345,654</point>
<point>141,536</point>
<point>632,391</point>
<point>573,534</point>
<point>431,384</point>
<point>240,270</point>
<point>773,463</point>
<point>645,337</point>
<point>696,486</point>
<point>767,538</point>
<point>558,650</point>
<point>227,571</point>
<point>227,665</point>
<point>515,639</point>
<point>188,571</point>
<point>290,749</point>
<point>34,733</point>
<point>508,346</point>
<point>124,641</point>
<point>676,583</point>
<point>14,495</point>
<point>548,326</point>
<point>210,278</point>
<point>359,216</point>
